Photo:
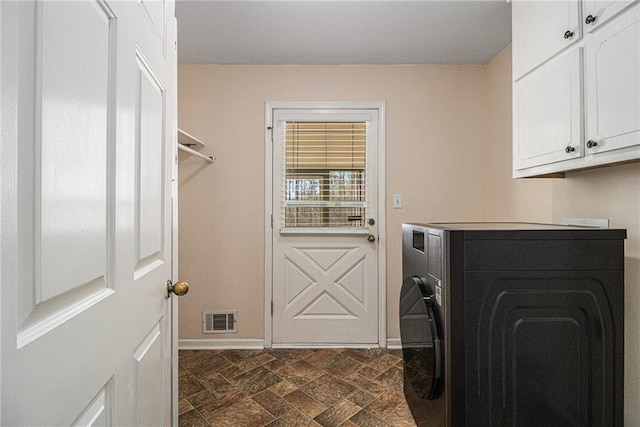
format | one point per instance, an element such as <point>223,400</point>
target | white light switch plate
<point>397,201</point>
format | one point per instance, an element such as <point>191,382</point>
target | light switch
<point>397,201</point>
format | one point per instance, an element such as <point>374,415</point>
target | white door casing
<point>87,140</point>
<point>326,287</point>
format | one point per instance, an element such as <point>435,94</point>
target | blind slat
<point>324,169</point>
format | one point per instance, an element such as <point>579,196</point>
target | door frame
<point>270,106</point>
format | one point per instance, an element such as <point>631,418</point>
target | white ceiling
<point>341,32</point>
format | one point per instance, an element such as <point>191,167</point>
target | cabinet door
<point>612,61</point>
<point>597,12</point>
<point>546,113</point>
<point>539,29</point>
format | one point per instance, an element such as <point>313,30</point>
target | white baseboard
<point>220,344</point>
<point>394,343</point>
<point>249,344</point>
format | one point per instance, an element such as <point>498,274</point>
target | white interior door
<point>87,133</point>
<point>325,210</point>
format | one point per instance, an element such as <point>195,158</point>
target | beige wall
<point>448,153</point>
<point>435,133</point>
<point>612,192</point>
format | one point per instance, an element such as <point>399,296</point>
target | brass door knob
<point>371,238</point>
<point>180,288</point>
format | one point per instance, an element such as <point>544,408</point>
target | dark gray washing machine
<point>512,324</point>
<point>422,324</point>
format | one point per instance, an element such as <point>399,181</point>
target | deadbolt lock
<point>371,221</point>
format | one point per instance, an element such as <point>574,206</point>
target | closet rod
<point>195,153</point>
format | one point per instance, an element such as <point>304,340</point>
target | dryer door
<point>421,337</point>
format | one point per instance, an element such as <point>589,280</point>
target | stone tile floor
<point>292,387</point>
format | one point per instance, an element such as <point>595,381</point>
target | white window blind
<point>325,175</point>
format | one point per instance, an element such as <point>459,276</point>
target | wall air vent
<point>219,322</point>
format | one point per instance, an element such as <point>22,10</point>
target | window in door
<point>325,179</point>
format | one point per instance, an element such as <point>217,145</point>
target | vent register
<point>218,322</point>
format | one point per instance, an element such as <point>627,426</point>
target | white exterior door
<point>325,210</point>
<point>88,125</point>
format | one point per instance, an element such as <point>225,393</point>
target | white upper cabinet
<point>546,113</point>
<point>541,29</point>
<point>577,106</point>
<point>597,12</point>
<point>612,84</point>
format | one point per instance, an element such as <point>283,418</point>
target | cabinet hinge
<point>272,308</point>
<point>271,129</point>
<point>271,220</point>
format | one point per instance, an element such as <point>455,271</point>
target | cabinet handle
<point>568,34</point>
<point>590,19</point>
<point>591,143</point>
<point>569,149</point>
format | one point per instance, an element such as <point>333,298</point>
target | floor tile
<point>253,362</point>
<point>273,403</point>
<point>341,365</point>
<point>401,417</point>
<point>328,389</point>
<point>365,418</point>
<point>184,406</point>
<point>385,404</point>
<point>246,413</point>
<point>300,373</point>
<point>199,364</point>
<point>217,385</point>
<point>384,362</point>
<point>362,356</point>
<point>192,418</point>
<point>283,388</point>
<point>229,399</point>
<point>256,380</point>
<point>392,378</point>
<point>365,384</point>
<point>320,356</point>
<point>305,403</point>
<point>292,388</point>
<point>337,414</point>
<point>293,418</point>
<point>360,398</point>
<point>201,398</point>
<point>188,385</point>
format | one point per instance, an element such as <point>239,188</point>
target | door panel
<point>325,271</point>
<point>74,133</point>
<point>602,10</point>
<point>539,34</point>
<point>547,111</point>
<point>149,362</point>
<point>328,282</point>
<point>150,166</point>
<point>86,248</point>
<point>98,412</point>
<point>155,13</point>
<point>612,84</point>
